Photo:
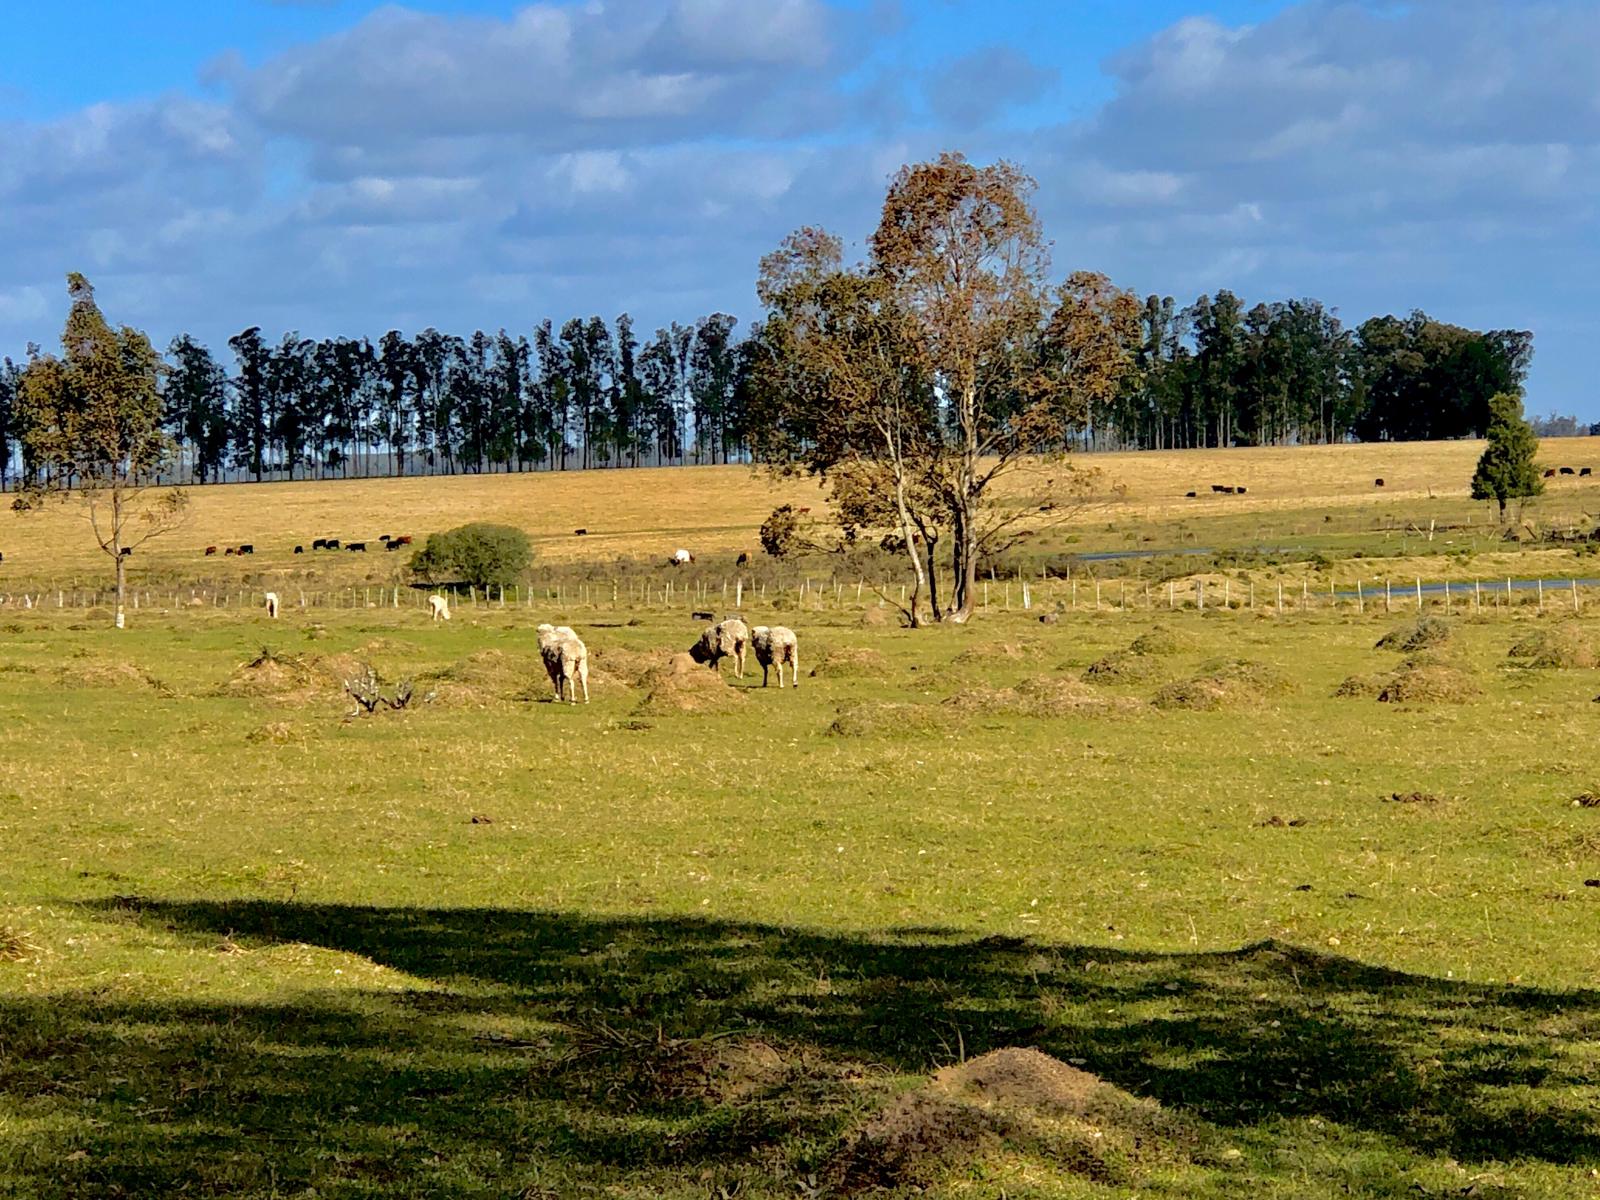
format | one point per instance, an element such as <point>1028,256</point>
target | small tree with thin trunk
<point>90,424</point>
<point>1507,470</point>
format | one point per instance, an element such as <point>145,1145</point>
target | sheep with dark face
<point>775,646</point>
<point>725,639</point>
<point>567,659</point>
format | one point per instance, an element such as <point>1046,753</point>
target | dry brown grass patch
<point>1422,634</point>
<point>16,944</point>
<point>876,718</point>
<point>1122,666</point>
<point>121,676</point>
<point>1562,647</point>
<point>1224,683</point>
<point>1040,696</point>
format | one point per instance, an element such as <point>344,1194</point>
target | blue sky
<point>340,166</point>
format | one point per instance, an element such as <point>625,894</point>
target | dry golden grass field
<point>716,511</point>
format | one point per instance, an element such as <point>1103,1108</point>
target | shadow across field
<point>534,1052</point>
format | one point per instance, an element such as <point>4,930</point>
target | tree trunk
<point>122,584</point>
<point>965,533</point>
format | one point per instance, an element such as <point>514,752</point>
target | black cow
<point>580,533</point>
<point>1217,487</point>
<point>743,560</point>
<point>299,549</point>
<point>1582,471</point>
<point>1241,489</point>
<point>1377,483</point>
<point>391,545</point>
<point>331,544</point>
<point>127,552</point>
<point>210,550</point>
<point>1188,495</point>
<point>319,544</point>
<point>1568,471</point>
<point>1228,491</point>
<point>247,548</point>
<point>1549,472</point>
<point>386,538</point>
<point>359,547</point>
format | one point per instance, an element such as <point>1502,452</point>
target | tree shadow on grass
<point>544,1052</point>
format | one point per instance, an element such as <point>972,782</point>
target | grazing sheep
<point>272,605</point>
<point>567,659</point>
<point>681,558</point>
<point>775,645</point>
<point>725,639</point>
<point>439,607</point>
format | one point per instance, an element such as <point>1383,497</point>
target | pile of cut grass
<point>1422,634</point>
<point>1565,646</point>
<point>1224,684</point>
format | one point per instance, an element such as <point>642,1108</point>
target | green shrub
<point>480,554</point>
<point>780,533</point>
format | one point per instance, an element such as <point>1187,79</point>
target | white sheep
<point>567,659</point>
<point>272,605</point>
<point>775,646</point>
<point>681,558</point>
<point>726,639</point>
<point>439,607</point>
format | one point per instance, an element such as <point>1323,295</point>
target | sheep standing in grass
<point>567,659</point>
<point>272,605</point>
<point>439,607</point>
<point>725,639</point>
<point>774,646</point>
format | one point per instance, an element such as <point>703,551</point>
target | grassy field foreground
<point>698,939</point>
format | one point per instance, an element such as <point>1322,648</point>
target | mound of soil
<point>722,1071</point>
<point>994,652</point>
<point>628,666</point>
<point>682,685</point>
<point>1041,696</point>
<point>118,675</point>
<point>876,718</point>
<point>1124,666</point>
<point>1012,1100</point>
<point>852,662</point>
<point>486,677</point>
<point>1421,634</point>
<point>1226,683</point>
<point>1158,641</point>
<point>1419,680</point>
<point>274,675</point>
<point>879,618</point>
<point>1564,646</point>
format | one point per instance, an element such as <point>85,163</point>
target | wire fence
<point>1018,593</point>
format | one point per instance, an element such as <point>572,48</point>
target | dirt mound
<point>878,618</point>
<point>1123,666</point>
<point>1041,696</point>
<point>386,645</point>
<point>1564,646</point>
<point>851,662</point>
<point>682,685</point>
<point>1419,680</point>
<point>121,676</point>
<point>485,677</point>
<point>876,718</point>
<point>994,652</point>
<point>723,1071</point>
<point>1421,634</point>
<point>1159,641</point>
<point>1012,1101</point>
<point>628,666</point>
<point>273,675</point>
<point>1226,683</point>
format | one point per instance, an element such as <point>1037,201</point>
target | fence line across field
<point>1016,592</point>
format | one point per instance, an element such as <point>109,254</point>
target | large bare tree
<point>90,427</point>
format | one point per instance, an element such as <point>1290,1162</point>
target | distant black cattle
<point>299,549</point>
<point>359,547</point>
<point>1549,472</point>
<point>1377,483</point>
<point>1582,471</point>
<point>386,538</point>
<point>331,544</point>
<point>702,616</point>
<point>1228,491</point>
<point>391,545</point>
<point>580,533</point>
<point>743,559</point>
<point>247,548</point>
<point>319,544</point>
<point>229,552</point>
<point>1217,487</point>
<point>1241,489</point>
<point>127,552</point>
<point>1188,495</point>
<point>210,550</point>
<point>1568,471</point>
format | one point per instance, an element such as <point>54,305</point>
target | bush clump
<point>480,554</point>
